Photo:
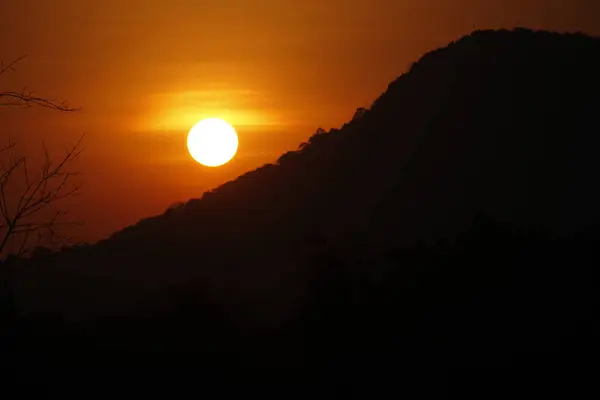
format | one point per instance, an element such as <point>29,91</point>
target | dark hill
<point>500,123</point>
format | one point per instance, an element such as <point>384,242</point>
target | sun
<point>212,142</point>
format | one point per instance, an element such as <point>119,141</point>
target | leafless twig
<point>26,98</point>
<point>30,210</point>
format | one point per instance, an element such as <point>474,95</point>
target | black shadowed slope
<point>500,124</point>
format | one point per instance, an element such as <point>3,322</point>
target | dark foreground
<point>500,313</point>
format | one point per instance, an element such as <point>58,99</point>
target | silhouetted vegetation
<point>29,200</point>
<point>497,298</point>
<point>450,228</point>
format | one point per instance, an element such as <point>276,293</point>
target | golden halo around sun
<point>212,142</point>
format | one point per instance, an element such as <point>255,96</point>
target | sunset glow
<point>144,72</point>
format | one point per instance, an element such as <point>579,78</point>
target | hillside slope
<point>498,122</point>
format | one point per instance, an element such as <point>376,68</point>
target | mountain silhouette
<point>498,125</point>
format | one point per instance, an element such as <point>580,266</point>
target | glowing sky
<point>144,71</point>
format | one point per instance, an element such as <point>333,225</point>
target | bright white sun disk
<point>212,142</point>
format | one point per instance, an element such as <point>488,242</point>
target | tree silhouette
<point>28,213</point>
<point>28,201</point>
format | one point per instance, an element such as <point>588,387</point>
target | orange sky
<point>144,71</point>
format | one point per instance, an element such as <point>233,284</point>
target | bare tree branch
<point>30,209</point>
<point>27,201</point>
<point>11,65</point>
<point>25,98</point>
